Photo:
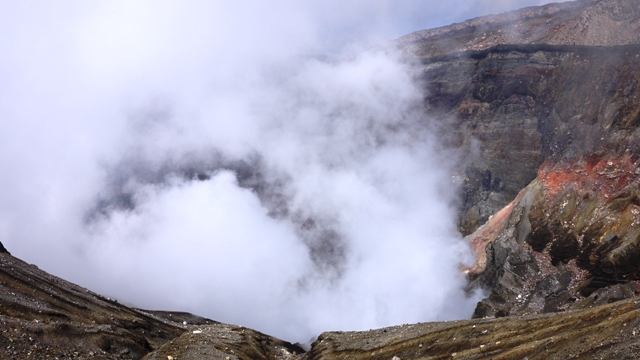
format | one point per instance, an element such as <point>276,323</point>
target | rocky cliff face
<point>527,104</point>
<point>549,98</point>
<point>523,86</point>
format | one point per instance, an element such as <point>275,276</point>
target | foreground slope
<point>604,332</point>
<point>609,331</point>
<point>42,316</point>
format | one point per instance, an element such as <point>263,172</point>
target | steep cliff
<point>549,98</point>
<point>551,82</point>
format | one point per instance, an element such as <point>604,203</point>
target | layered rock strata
<point>548,98</point>
<point>554,90</point>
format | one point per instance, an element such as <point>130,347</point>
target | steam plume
<point>200,157</point>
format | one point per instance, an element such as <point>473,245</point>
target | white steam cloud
<point>200,156</point>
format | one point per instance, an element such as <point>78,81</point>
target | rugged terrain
<point>548,97</point>
<point>545,99</point>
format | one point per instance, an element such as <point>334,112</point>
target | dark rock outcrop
<point>3,250</point>
<point>573,231</point>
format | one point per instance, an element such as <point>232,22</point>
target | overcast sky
<point>110,109</point>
